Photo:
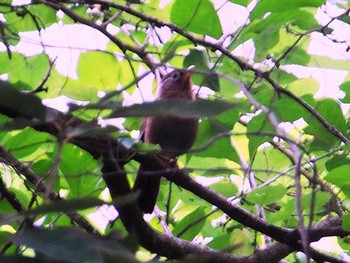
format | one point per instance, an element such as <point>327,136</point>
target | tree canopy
<point>268,175</point>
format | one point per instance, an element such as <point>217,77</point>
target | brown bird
<point>175,135</point>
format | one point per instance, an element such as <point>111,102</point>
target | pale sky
<point>66,42</point>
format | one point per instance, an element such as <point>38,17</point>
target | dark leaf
<point>71,245</point>
<point>16,103</point>
<point>200,60</point>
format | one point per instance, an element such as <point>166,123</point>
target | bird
<point>175,135</point>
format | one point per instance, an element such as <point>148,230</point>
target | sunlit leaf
<point>227,189</point>
<point>28,142</point>
<point>240,2</point>
<point>190,225</point>
<point>28,72</point>
<point>346,88</point>
<point>304,86</point>
<point>276,6</point>
<point>267,195</point>
<point>328,62</point>
<point>339,176</point>
<point>346,222</point>
<point>197,16</point>
<point>98,70</point>
<point>36,17</point>
<point>81,172</point>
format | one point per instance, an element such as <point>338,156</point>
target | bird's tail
<point>147,184</point>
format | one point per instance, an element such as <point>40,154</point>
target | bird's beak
<point>188,73</point>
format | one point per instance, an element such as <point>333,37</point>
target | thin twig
<point>298,192</point>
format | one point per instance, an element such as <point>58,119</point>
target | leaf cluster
<point>266,178</point>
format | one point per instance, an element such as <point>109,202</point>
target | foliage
<point>270,165</point>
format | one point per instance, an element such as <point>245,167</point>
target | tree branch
<point>9,159</point>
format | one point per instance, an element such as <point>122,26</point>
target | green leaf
<point>268,194</point>
<point>344,18</point>
<point>222,242</point>
<point>282,77</point>
<point>267,161</point>
<point>190,225</point>
<point>81,172</point>
<point>28,142</point>
<point>198,16</point>
<point>175,44</point>
<point>198,58</point>
<point>304,86</point>
<point>208,166</point>
<point>327,62</point>
<point>80,10</point>
<point>346,88</point>
<point>346,222</point>
<point>5,63</point>
<point>331,111</point>
<point>28,72</point>
<point>6,7</point>
<point>227,189</point>
<point>127,71</point>
<point>337,161</point>
<point>98,70</point>
<point>339,176</point>
<point>45,15</point>
<point>297,56</point>
<point>35,17</point>
<point>201,62</point>
<point>214,136</point>
<point>241,2</point>
<point>288,109</point>
<point>275,6</point>
<point>321,200</point>
<point>259,124</point>
<point>286,40</point>
<point>176,107</point>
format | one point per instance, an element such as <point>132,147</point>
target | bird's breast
<point>175,135</point>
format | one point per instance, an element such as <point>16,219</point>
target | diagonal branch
<point>115,155</point>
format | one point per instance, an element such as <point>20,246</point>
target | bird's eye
<point>175,75</point>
